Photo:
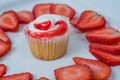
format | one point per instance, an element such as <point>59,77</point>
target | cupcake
<point>48,36</point>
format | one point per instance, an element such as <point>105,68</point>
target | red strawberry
<point>43,26</point>
<point>73,72</point>
<point>74,21</point>
<point>3,69</point>
<point>4,48</point>
<point>111,60</point>
<point>21,76</point>
<point>25,16</point>
<point>4,37</point>
<point>112,49</point>
<point>105,35</point>
<point>9,21</point>
<point>61,29</point>
<point>63,9</point>
<point>42,8</point>
<point>90,20</point>
<point>43,78</point>
<point>100,70</point>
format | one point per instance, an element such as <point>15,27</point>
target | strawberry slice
<point>4,37</point>
<point>21,76</point>
<point>90,20</point>
<point>9,21</point>
<point>3,69</point>
<point>112,49</point>
<point>105,35</point>
<point>73,72</point>
<point>111,60</point>
<point>74,21</point>
<point>25,16</point>
<point>63,9</point>
<point>100,70</point>
<point>4,48</point>
<point>43,78</point>
<point>60,30</point>
<point>42,8</point>
<point>43,26</point>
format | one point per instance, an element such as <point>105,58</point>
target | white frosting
<point>52,17</point>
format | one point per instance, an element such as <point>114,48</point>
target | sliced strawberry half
<point>60,30</point>
<point>42,8</point>
<point>4,37</point>
<point>107,35</point>
<point>43,78</point>
<point>21,76</point>
<point>63,9</point>
<point>43,26</point>
<point>100,70</point>
<point>9,21</point>
<point>73,72</point>
<point>90,20</point>
<point>3,69</point>
<point>25,16</point>
<point>111,60</point>
<point>112,49</point>
<point>74,21</point>
<point>4,48</point>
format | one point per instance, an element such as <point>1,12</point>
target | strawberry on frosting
<point>48,25</point>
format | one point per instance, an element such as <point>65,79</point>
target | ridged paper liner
<point>49,48</point>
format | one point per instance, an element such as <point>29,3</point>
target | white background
<point>20,58</point>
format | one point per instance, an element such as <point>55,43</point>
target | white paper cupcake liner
<point>49,48</point>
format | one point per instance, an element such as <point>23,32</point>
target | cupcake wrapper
<point>49,48</point>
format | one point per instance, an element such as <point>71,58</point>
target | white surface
<point>20,58</point>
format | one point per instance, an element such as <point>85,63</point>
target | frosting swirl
<point>56,26</point>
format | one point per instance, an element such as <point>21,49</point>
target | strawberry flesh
<point>107,35</point>
<point>9,21</point>
<point>90,20</point>
<point>74,21</point>
<point>4,48</point>
<point>100,70</point>
<point>43,78</point>
<point>40,9</point>
<point>3,69</point>
<point>4,37</point>
<point>113,49</point>
<point>111,60</point>
<point>43,26</point>
<point>25,16</point>
<point>73,72</point>
<point>63,9</point>
<point>21,76</point>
